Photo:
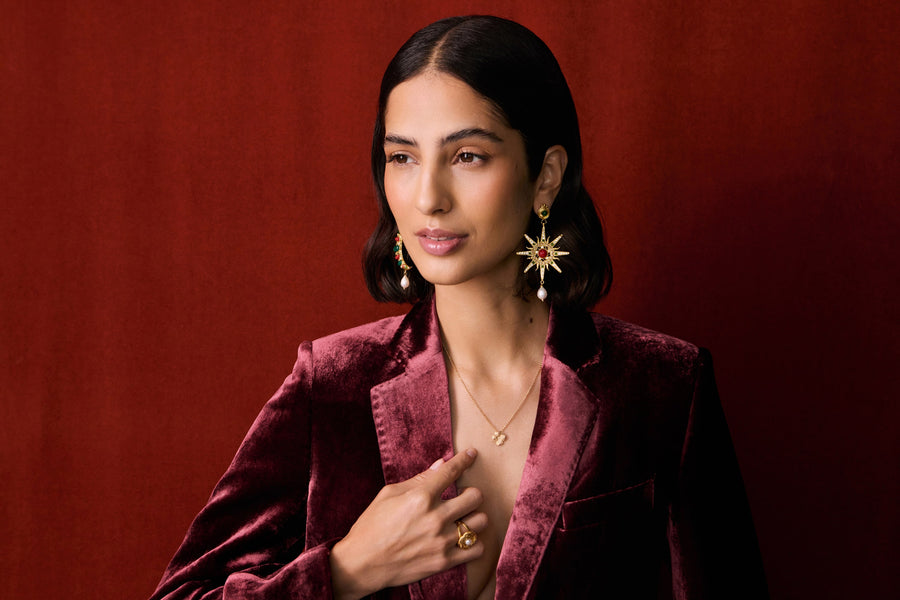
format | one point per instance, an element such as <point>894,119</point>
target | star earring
<point>543,252</point>
<point>398,256</point>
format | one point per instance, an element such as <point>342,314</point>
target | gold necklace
<point>499,437</point>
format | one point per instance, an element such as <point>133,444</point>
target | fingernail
<point>437,464</point>
<point>472,452</point>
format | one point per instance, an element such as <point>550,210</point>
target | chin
<point>480,280</point>
<point>441,279</point>
<point>447,272</point>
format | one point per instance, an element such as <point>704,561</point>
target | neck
<point>491,332</point>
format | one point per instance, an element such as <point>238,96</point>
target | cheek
<point>506,201</point>
<point>393,191</point>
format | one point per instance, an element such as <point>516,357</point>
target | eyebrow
<point>392,138</point>
<point>470,132</point>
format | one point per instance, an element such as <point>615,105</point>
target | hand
<point>408,533</point>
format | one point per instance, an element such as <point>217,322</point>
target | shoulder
<point>642,350</point>
<point>619,335</point>
<point>370,336</point>
<point>362,348</point>
<point>363,356</point>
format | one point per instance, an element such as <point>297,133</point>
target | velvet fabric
<point>631,487</point>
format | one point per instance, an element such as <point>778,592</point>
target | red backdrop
<point>185,195</point>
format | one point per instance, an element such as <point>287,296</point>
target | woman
<point>593,457</point>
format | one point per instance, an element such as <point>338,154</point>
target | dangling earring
<point>398,255</point>
<point>542,253</point>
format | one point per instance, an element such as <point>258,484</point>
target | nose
<point>433,195</point>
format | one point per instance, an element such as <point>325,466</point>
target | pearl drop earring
<point>543,253</point>
<point>398,256</point>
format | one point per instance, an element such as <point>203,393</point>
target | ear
<point>549,180</point>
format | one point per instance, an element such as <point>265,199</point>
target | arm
<point>711,536</point>
<point>248,542</point>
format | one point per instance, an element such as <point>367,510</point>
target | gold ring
<point>467,537</point>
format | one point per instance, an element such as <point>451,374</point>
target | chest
<point>496,472</point>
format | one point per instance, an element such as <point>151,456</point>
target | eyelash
<point>475,158</point>
<point>393,158</point>
<point>401,158</point>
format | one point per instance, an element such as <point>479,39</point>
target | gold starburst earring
<point>398,256</point>
<point>543,252</point>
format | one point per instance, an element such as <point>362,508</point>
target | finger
<point>419,479</point>
<point>440,479</point>
<point>467,501</point>
<point>476,521</point>
<point>457,555</point>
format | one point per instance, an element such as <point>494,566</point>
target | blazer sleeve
<point>248,541</point>
<point>712,541</point>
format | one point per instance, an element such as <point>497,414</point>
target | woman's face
<point>456,180</point>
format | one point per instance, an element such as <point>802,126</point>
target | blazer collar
<point>412,422</point>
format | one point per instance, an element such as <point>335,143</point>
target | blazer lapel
<point>412,421</point>
<point>566,415</point>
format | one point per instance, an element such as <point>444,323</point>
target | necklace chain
<point>499,437</point>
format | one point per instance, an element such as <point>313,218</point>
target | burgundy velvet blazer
<point>631,488</point>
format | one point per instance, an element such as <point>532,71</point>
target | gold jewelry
<point>398,256</point>
<point>467,538</point>
<point>499,437</point>
<point>542,253</point>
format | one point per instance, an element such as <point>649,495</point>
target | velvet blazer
<point>631,487</point>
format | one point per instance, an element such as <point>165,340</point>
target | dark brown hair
<point>513,69</point>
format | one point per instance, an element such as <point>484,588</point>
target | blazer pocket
<point>605,546</point>
<point>634,501</point>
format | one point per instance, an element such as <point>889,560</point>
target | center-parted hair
<point>517,73</point>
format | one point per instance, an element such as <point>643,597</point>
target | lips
<point>439,242</point>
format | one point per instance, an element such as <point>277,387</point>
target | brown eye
<point>469,158</point>
<point>400,159</point>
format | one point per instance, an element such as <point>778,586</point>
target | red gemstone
<point>542,253</point>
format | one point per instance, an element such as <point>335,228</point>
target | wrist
<point>348,575</point>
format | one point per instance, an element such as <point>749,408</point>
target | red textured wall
<point>185,195</point>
